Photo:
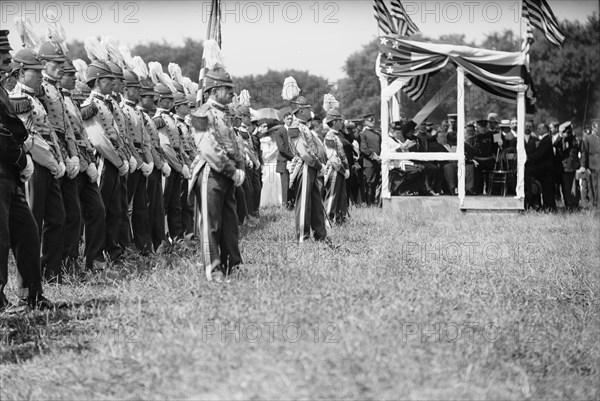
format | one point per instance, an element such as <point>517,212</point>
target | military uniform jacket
<point>188,146</point>
<point>42,143</point>
<point>139,135</point>
<point>54,102</point>
<point>247,145</point>
<point>216,141</point>
<point>99,106</point>
<point>335,152</point>
<point>86,150</point>
<point>158,155</point>
<point>170,139</point>
<point>307,145</point>
<point>370,144</point>
<point>12,136</point>
<point>123,129</point>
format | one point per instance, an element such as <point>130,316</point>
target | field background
<point>432,304</point>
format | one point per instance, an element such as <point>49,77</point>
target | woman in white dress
<point>271,190</point>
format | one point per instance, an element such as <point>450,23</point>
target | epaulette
<point>20,104</point>
<point>202,112</point>
<point>293,132</point>
<point>159,122</point>
<point>88,111</point>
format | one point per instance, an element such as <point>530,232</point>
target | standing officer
<point>97,110</point>
<point>45,195</point>
<point>18,230</point>
<point>54,103</point>
<point>219,168</point>
<point>370,149</point>
<point>309,203</point>
<point>156,208</point>
<point>137,195</point>
<point>93,212</point>
<point>337,171</point>
<point>171,144</point>
<point>284,155</point>
<point>181,108</point>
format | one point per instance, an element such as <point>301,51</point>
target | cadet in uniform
<point>137,196</point>
<point>98,109</point>
<point>156,208</point>
<point>181,108</point>
<point>54,103</point>
<point>337,170</point>
<point>45,195</point>
<point>370,149</point>
<point>170,140</point>
<point>218,169</point>
<point>93,212</point>
<point>18,230</point>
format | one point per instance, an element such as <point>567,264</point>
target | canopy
<point>501,74</point>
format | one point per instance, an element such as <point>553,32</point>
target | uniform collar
<point>129,102</point>
<point>216,104</point>
<point>27,89</point>
<point>49,79</point>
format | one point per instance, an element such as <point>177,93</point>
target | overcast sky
<point>317,36</point>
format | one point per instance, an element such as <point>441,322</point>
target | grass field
<point>426,305</point>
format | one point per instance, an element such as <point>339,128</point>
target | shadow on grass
<point>67,327</point>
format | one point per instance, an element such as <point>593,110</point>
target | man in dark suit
<point>539,166</point>
<point>370,149</point>
<point>285,155</point>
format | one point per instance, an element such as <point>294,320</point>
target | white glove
<point>61,170</point>
<point>92,173</point>
<point>166,170</point>
<point>146,169</point>
<point>132,164</point>
<point>151,166</point>
<point>27,172</point>
<point>185,172</point>
<point>346,174</point>
<point>124,169</point>
<point>238,177</point>
<point>249,162</point>
<point>73,167</point>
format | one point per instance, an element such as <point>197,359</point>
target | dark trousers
<point>544,176</point>
<point>70,196</point>
<point>249,192</point>
<point>140,218</point>
<point>372,181</point>
<point>110,189</point>
<point>310,212</point>
<point>45,199</point>
<point>288,195</point>
<point>187,210</point>
<point>156,208</point>
<point>172,201</point>
<point>411,180</point>
<point>94,219</point>
<point>336,199</point>
<point>125,235</point>
<point>256,190</point>
<point>479,175</point>
<point>571,199</point>
<point>215,196</point>
<point>19,232</point>
<point>353,187</point>
<point>240,204</point>
<point>450,170</point>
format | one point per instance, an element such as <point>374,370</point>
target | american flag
<point>399,22</point>
<point>540,15</point>
<point>528,39</point>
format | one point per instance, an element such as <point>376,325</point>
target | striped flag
<point>416,87</point>
<point>406,26</point>
<point>540,15</point>
<point>528,36</point>
<point>384,18</point>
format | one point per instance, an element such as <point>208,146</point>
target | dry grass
<point>433,305</point>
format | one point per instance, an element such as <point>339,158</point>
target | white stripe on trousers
<point>331,193</point>
<point>208,265</point>
<point>303,200</point>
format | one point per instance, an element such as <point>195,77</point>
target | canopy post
<point>460,134</point>
<point>385,171</point>
<point>521,154</point>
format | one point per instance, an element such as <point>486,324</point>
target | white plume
<point>127,59</point>
<point>330,102</point>
<point>94,50</point>
<point>56,32</point>
<point>29,38</point>
<point>81,68</point>
<point>140,67</point>
<point>175,71</point>
<point>111,45</point>
<point>290,90</point>
<point>245,98</point>
<point>212,55</point>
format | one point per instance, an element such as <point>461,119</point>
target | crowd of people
<point>117,156</point>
